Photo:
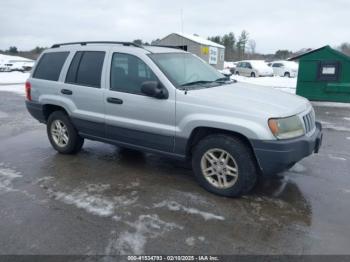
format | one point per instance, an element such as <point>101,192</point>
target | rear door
<point>83,91</point>
<point>131,117</point>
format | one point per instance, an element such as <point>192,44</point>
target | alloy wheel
<point>219,168</point>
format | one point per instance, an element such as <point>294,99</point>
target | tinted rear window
<point>50,65</point>
<point>86,68</point>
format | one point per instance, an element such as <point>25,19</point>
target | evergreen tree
<point>242,44</point>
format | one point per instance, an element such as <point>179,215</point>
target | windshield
<point>186,69</point>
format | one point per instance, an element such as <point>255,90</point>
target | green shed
<point>324,75</point>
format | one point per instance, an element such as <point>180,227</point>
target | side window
<point>86,68</point>
<point>50,65</point>
<point>128,72</point>
<point>328,71</point>
<point>248,65</point>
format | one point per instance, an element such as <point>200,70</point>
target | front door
<point>131,117</point>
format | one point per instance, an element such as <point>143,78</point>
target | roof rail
<point>97,42</point>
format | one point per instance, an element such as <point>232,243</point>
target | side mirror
<point>154,89</point>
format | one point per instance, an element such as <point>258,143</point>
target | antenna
<point>182,20</point>
<point>183,43</point>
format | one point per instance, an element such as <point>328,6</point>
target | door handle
<point>114,100</point>
<point>66,92</point>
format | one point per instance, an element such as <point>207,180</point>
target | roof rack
<point>97,42</point>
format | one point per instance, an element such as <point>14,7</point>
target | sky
<point>273,24</point>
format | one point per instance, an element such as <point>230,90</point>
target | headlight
<point>284,128</point>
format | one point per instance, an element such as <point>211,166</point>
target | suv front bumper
<point>278,155</point>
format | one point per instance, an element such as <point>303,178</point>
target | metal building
<point>209,51</point>
<point>324,74</point>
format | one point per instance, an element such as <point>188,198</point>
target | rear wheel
<point>224,165</point>
<point>252,74</point>
<point>62,134</point>
<point>286,74</point>
<point>237,73</point>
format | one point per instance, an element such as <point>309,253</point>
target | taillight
<point>28,87</point>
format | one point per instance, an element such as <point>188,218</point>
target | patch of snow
<point>3,114</point>
<point>117,218</point>
<point>328,125</point>
<point>147,226</point>
<point>330,104</point>
<point>44,179</point>
<point>13,77</point>
<point>336,157</point>
<point>92,204</point>
<point>297,168</point>
<point>201,238</point>
<point>348,138</point>
<point>174,206</point>
<point>199,40</point>
<point>7,175</point>
<point>347,118</point>
<point>98,188</point>
<point>345,190</point>
<point>18,89</point>
<point>190,241</point>
<point>280,83</point>
<point>90,199</point>
<point>12,58</point>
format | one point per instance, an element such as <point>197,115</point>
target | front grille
<point>309,121</point>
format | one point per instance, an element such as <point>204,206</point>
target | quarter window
<point>86,68</point>
<point>128,72</point>
<point>50,65</point>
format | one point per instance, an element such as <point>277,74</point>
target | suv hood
<point>247,98</point>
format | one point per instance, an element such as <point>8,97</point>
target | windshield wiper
<point>223,80</point>
<point>197,83</point>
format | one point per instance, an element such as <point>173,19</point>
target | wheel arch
<point>48,109</point>
<point>199,133</point>
<point>202,132</point>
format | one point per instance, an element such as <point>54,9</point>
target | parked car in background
<point>253,68</point>
<point>6,67</point>
<point>17,66</point>
<point>147,99</point>
<point>27,66</point>
<point>231,66</point>
<point>284,68</point>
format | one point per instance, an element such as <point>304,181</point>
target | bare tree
<point>252,46</point>
<point>345,48</point>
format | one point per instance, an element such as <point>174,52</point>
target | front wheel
<point>252,74</point>
<point>224,165</point>
<point>286,74</point>
<point>62,134</point>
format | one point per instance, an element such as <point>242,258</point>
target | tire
<point>243,158</point>
<point>252,74</point>
<point>286,74</point>
<point>237,73</point>
<point>74,142</point>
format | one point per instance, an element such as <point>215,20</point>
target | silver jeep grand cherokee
<point>168,101</point>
